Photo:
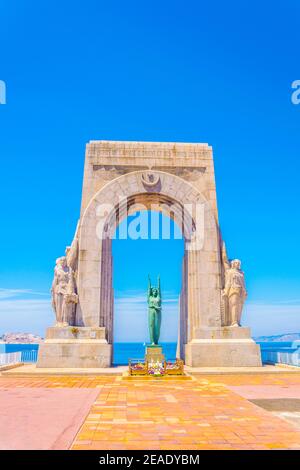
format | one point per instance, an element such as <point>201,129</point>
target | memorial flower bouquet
<point>171,365</point>
<point>138,366</point>
<point>156,368</point>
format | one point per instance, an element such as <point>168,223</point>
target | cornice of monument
<point>152,150</point>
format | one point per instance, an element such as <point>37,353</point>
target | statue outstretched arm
<point>149,287</point>
<point>72,251</point>
<point>225,260</point>
<point>158,286</point>
<point>226,266</point>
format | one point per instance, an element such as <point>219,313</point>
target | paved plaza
<point>115,412</point>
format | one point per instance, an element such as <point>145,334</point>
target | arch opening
<point>173,214</point>
<point>146,242</point>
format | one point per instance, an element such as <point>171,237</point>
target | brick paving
<point>202,413</point>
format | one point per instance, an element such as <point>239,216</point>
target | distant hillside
<point>284,337</point>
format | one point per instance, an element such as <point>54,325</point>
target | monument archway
<point>201,270</point>
<point>179,180</point>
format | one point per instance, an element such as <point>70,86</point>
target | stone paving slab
<point>42,418</point>
<point>202,413</point>
<point>21,370</point>
<point>266,391</point>
<point>266,369</point>
<point>32,370</point>
<point>279,404</point>
<point>284,378</point>
<point>292,417</point>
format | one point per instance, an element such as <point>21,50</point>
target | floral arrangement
<point>74,331</point>
<point>137,366</point>
<point>171,365</point>
<point>175,368</point>
<point>156,368</point>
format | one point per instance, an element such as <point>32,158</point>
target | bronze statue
<point>154,311</point>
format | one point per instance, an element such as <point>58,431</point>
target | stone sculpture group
<point>64,290</point>
<point>234,293</point>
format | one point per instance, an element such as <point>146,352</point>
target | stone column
<point>182,324</point>
<point>106,292</point>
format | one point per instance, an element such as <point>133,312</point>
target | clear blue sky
<point>188,71</point>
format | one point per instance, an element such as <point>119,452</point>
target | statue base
<point>154,353</point>
<point>74,347</point>
<point>222,347</point>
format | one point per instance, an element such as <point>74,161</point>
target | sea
<point>122,352</point>
<point>279,346</point>
<point>15,347</point>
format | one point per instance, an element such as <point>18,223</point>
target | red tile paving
<point>203,413</point>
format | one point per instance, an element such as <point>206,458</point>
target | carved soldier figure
<point>70,301</point>
<point>234,292</point>
<point>64,297</point>
<point>59,289</point>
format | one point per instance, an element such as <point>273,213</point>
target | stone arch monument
<point>178,180</point>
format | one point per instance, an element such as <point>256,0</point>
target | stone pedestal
<point>222,347</point>
<point>80,347</point>
<point>154,353</point>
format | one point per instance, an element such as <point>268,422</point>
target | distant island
<point>21,338</point>
<point>28,338</point>
<point>283,337</point>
